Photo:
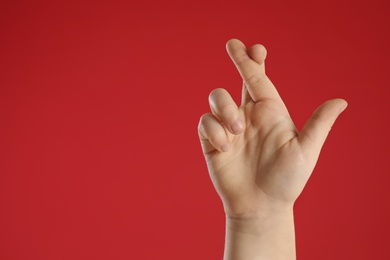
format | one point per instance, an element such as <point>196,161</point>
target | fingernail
<point>225,147</point>
<point>237,126</point>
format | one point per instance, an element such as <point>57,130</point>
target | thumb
<point>316,129</point>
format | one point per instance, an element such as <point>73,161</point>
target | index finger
<point>252,71</point>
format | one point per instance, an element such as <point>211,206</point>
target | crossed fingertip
<point>257,53</point>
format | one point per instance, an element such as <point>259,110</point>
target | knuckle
<point>227,110</point>
<point>254,79</point>
<point>240,59</point>
<point>319,120</point>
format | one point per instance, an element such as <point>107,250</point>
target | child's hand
<point>257,159</point>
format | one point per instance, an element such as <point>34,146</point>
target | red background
<point>99,106</point>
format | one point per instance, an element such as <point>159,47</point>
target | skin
<point>258,161</point>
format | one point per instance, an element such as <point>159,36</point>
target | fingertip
<point>237,126</point>
<point>342,104</point>
<point>216,93</point>
<point>233,43</point>
<point>258,53</point>
<point>345,105</point>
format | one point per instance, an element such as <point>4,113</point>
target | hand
<point>257,159</point>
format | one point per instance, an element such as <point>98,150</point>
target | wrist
<point>259,222</point>
<point>267,236</point>
<point>258,211</point>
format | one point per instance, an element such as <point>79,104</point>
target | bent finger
<point>212,134</point>
<point>225,109</point>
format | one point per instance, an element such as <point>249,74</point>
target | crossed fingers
<point>226,119</point>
